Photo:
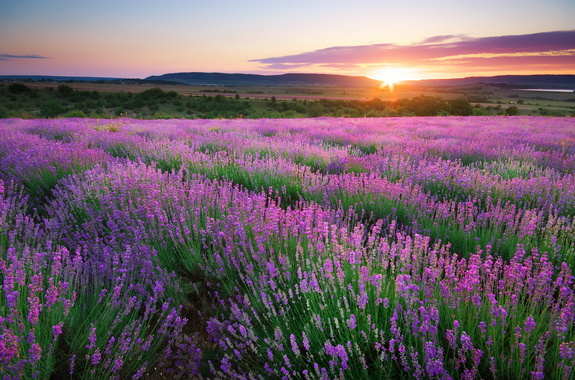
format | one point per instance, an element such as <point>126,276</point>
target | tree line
<point>19,100</point>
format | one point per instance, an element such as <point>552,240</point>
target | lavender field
<point>426,248</point>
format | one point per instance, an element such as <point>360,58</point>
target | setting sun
<point>390,76</point>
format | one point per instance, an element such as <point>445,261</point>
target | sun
<point>389,76</point>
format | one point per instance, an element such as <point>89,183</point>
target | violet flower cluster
<point>315,249</point>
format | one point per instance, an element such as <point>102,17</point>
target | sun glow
<point>389,76</point>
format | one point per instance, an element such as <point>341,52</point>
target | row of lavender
<point>427,248</point>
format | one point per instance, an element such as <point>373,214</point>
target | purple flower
<point>277,333</point>
<point>35,352</point>
<point>140,372</point>
<point>35,308</point>
<point>294,345</point>
<point>96,357</point>
<point>466,342</point>
<point>57,330</point>
<point>566,350</point>
<point>529,324</point>
<point>306,341</point>
<point>51,294</point>
<point>117,364</point>
<point>351,323</point>
<point>452,335</point>
<point>72,363</point>
<point>109,346</point>
<point>522,350</point>
<point>92,337</point>
<point>226,365</point>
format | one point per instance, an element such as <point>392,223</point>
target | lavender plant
<point>316,249</point>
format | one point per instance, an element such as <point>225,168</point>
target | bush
<point>511,111</point>
<point>51,109</point>
<point>151,94</point>
<point>21,114</point>
<point>460,107</point>
<point>75,113</point>
<point>18,88</point>
<point>64,90</point>
<point>120,111</point>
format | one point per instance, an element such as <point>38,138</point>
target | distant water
<point>546,90</point>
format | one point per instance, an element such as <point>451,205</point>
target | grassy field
<point>44,99</point>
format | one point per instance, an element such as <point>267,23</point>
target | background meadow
<point>299,249</point>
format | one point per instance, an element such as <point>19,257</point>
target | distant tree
<point>51,109</point>
<point>151,94</point>
<point>18,88</point>
<point>237,96</point>
<point>273,99</point>
<point>423,105</point>
<point>64,90</point>
<point>120,111</point>
<point>512,111</point>
<point>460,107</point>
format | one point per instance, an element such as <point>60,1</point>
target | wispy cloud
<point>455,51</point>
<point>445,38</point>
<point>6,57</point>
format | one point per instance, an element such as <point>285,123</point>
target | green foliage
<point>18,88</point>
<point>16,100</point>
<point>460,107</point>
<point>21,114</point>
<point>64,90</point>
<point>512,111</point>
<point>162,115</point>
<point>51,109</point>
<point>120,111</point>
<point>151,94</point>
<point>424,105</point>
<point>75,113</point>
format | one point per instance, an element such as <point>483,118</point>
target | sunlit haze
<point>388,41</point>
<point>389,76</point>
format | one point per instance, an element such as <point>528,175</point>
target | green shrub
<point>512,111</point>
<point>18,88</point>
<point>75,113</point>
<point>51,109</point>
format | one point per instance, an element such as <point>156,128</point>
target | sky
<point>411,39</point>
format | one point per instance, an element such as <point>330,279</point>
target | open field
<point>101,100</point>
<point>312,92</point>
<point>372,248</point>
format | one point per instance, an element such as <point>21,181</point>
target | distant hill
<point>53,78</point>
<point>222,79</point>
<point>512,81</point>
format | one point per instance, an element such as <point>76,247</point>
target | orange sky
<point>415,39</point>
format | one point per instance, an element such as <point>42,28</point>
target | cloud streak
<point>456,51</point>
<point>7,57</point>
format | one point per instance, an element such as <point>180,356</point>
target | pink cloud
<point>553,48</point>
